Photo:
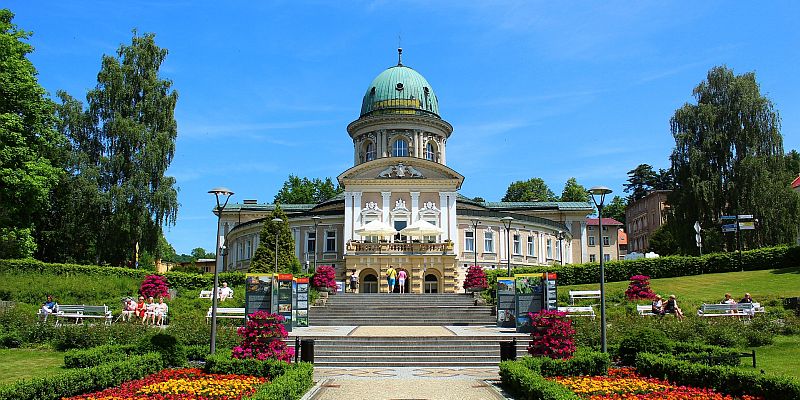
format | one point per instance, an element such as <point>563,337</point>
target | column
<point>349,217</point>
<point>443,218</point>
<point>453,225</point>
<point>297,243</point>
<point>386,199</point>
<point>356,217</point>
<point>414,206</point>
<point>584,243</point>
<point>443,158</point>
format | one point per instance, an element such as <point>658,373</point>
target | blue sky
<point>532,88</point>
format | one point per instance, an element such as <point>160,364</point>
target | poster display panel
<point>505,302</point>
<point>550,292</point>
<point>529,293</point>
<point>301,303</point>
<point>259,293</point>
<point>285,299</point>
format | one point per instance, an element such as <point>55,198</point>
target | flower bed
<point>181,384</point>
<point>624,383</point>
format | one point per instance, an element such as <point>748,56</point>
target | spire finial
<point>400,56</point>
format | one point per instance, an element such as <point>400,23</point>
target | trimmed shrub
<point>642,340</point>
<point>223,363</point>
<point>325,277</point>
<point>639,288</point>
<point>706,354</point>
<point>292,385</point>
<point>95,356</point>
<point>171,349</point>
<point>729,380</point>
<point>525,383</point>
<point>584,362</point>
<point>262,338</point>
<point>197,353</point>
<point>476,278</point>
<point>552,336</point>
<point>82,380</point>
<point>154,286</point>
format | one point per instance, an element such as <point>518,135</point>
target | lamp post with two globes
<point>601,191</point>
<point>227,193</point>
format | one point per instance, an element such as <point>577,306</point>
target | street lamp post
<point>316,219</point>
<point>277,233</point>
<point>601,191</point>
<point>560,238</point>
<point>217,191</point>
<point>507,224</point>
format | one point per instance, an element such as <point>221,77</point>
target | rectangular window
<point>517,245</point>
<point>558,251</point>
<point>240,251</point>
<point>606,241</point>
<point>248,249</point>
<point>330,241</point>
<point>591,241</point>
<point>531,247</point>
<point>607,257</point>
<point>488,242</point>
<point>311,242</point>
<point>469,241</point>
<point>592,258</point>
<point>549,248</point>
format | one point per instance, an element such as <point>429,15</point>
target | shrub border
<point>287,381</point>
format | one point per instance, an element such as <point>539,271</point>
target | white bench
<point>81,312</point>
<point>232,312</point>
<point>645,310</point>
<point>572,311</point>
<point>730,310</point>
<point>582,294</point>
<point>205,294</point>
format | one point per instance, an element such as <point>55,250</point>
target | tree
<point>29,143</point>
<point>793,163</point>
<point>573,191</point>
<point>663,241</point>
<point>616,209</point>
<point>728,159</point>
<point>199,252</point>
<point>122,144</point>
<point>298,190</point>
<point>640,181</point>
<point>264,258</point>
<point>533,189</point>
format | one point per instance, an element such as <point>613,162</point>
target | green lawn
<point>711,288</point>
<point>27,363</point>
<point>782,357</point>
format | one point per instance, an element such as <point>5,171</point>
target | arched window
<point>369,151</point>
<point>400,148</point>
<point>430,151</point>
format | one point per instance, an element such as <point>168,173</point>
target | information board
<point>550,292</point>
<point>285,283</point>
<point>505,302</point>
<point>259,293</point>
<point>301,304</point>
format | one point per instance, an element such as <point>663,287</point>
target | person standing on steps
<point>401,280</point>
<point>391,275</point>
<point>353,282</point>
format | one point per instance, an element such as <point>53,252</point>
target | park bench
<point>730,310</point>
<point>205,294</point>
<point>572,311</point>
<point>582,294</point>
<point>81,312</point>
<point>232,312</point>
<point>645,310</point>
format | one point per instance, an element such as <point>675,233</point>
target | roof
<point>400,90</point>
<point>796,182</point>
<point>539,205</point>
<point>266,207</point>
<point>606,222</point>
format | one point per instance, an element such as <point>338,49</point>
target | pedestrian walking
<point>401,280</point>
<point>391,275</point>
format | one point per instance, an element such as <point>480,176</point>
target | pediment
<point>407,170</point>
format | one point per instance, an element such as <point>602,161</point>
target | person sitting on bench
<point>658,306</point>
<point>747,298</point>
<point>49,307</point>
<point>671,307</point>
<point>161,311</point>
<point>225,292</point>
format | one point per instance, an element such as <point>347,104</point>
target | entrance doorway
<point>407,285</point>
<point>369,284</point>
<point>431,284</point>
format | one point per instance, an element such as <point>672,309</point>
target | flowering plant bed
<point>181,384</point>
<point>624,383</point>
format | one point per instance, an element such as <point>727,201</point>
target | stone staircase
<point>392,309</point>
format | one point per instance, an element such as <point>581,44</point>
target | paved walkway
<point>401,331</point>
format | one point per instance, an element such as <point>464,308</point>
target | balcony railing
<point>399,248</point>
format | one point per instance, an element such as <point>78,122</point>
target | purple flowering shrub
<point>262,338</point>
<point>476,278</point>
<point>325,277</point>
<point>154,286</point>
<point>639,288</point>
<point>552,336</point>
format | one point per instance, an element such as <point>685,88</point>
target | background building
<point>644,217</point>
<point>609,238</point>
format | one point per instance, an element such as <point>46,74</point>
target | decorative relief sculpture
<point>371,205</point>
<point>400,171</point>
<point>400,204</point>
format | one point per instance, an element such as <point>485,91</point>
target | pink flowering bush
<point>553,335</point>
<point>325,277</point>
<point>639,288</point>
<point>476,278</point>
<point>262,338</point>
<point>154,286</point>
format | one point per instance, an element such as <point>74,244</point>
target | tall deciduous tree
<point>298,190</point>
<point>615,209</point>
<point>640,181</point>
<point>573,191</point>
<point>29,143</point>
<point>264,258</point>
<point>728,159</point>
<point>533,189</point>
<point>122,144</point>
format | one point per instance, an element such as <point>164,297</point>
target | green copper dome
<point>400,90</point>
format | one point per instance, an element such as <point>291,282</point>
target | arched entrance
<point>407,288</point>
<point>430,284</point>
<point>368,281</point>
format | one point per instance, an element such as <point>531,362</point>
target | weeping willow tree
<point>728,159</point>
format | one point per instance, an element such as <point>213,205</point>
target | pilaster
<point>386,199</point>
<point>414,206</point>
<point>584,243</point>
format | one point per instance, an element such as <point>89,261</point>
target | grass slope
<point>780,358</point>
<point>18,364</point>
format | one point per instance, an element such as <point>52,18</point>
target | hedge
<point>583,362</point>
<point>665,267</point>
<point>707,354</point>
<point>724,379</point>
<point>97,355</point>
<point>84,380</point>
<point>525,383</point>
<point>292,385</point>
<point>223,363</point>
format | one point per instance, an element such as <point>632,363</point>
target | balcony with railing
<point>356,247</point>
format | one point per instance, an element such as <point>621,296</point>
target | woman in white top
<point>161,310</point>
<point>151,311</point>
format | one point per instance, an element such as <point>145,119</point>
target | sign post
<point>697,236</point>
<point>301,306</point>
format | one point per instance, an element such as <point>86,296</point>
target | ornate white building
<point>400,177</point>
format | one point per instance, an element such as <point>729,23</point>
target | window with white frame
<point>549,248</point>
<point>517,245</point>
<point>330,241</point>
<point>607,257</point>
<point>369,151</point>
<point>311,242</point>
<point>606,241</point>
<point>558,251</point>
<point>430,238</point>
<point>469,241</point>
<point>488,242</point>
<point>248,250</point>
<point>531,246</point>
<point>430,151</point>
<point>240,251</point>
<point>591,240</point>
<point>400,148</point>
<point>592,258</point>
